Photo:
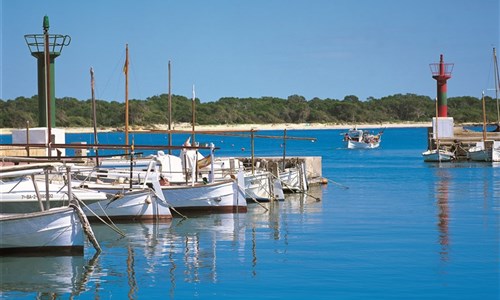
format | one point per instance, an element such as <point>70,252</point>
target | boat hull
<point>220,196</point>
<point>142,205</point>
<point>479,153</point>
<point>224,197</point>
<point>261,187</point>
<point>294,179</point>
<point>57,230</point>
<point>437,156</point>
<point>362,145</point>
<point>20,196</point>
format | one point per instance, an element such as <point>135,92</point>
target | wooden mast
<point>193,116</point>
<point>497,83</point>
<point>284,149</point>
<point>94,117</point>
<point>125,70</point>
<point>436,127</point>
<point>169,110</point>
<point>484,120</point>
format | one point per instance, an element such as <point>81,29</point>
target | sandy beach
<point>242,127</point>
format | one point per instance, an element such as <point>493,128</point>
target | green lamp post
<point>45,48</point>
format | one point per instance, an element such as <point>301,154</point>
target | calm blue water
<point>388,226</point>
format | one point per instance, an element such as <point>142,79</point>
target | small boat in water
<point>20,193</point>
<point>485,151</point>
<point>137,205</point>
<point>362,139</point>
<point>435,152</point>
<point>438,155</point>
<point>56,230</point>
<point>488,149</point>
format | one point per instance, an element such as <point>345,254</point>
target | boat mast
<point>94,118</point>
<point>484,118</point>
<point>436,135</point>
<point>193,117</point>
<point>125,70</point>
<point>497,83</point>
<point>169,110</point>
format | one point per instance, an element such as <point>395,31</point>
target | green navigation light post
<point>45,48</point>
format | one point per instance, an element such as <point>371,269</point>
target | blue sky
<point>277,48</point>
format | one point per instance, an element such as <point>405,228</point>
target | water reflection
<point>271,220</point>
<point>46,277</point>
<point>301,203</point>
<point>180,251</point>
<point>164,258</point>
<point>442,186</point>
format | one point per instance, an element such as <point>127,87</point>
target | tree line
<point>71,112</point>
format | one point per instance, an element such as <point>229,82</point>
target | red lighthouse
<point>441,72</point>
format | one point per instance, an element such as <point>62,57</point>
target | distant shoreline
<point>241,127</point>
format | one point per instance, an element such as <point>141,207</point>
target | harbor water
<point>386,226</point>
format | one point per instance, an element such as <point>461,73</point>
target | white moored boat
<point>185,191</point>
<point>362,139</point>
<point>438,155</point>
<point>488,149</point>
<point>54,230</point>
<point>137,205</point>
<point>26,194</point>
<point>480,152</point>
<point>218,196</point>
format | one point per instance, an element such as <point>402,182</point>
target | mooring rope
<point>252,198</point>
<point>112,225</point>
<point>86,226</point>
<point>295,192</point>
<point>339,184</point>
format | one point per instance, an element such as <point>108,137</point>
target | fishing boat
<point>218,196</point>
<point>294,179</point>
<point>55,230</point>
<point>262,186</point>
<point>183,189</point>
<point>487,150</point>
<point>438,154</point>
<point>362,139</point>
<point>137,205</point>
<point>20,193</point>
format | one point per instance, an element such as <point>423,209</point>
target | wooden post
<point>284,148</point>
<point>252,148</point>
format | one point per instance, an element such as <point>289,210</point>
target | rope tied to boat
<point>86,226</point>
<point>110,224</point>
<point>345,187</point>
<point>293,191</point>
<point>73,202</point>
<point>253,199</point>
